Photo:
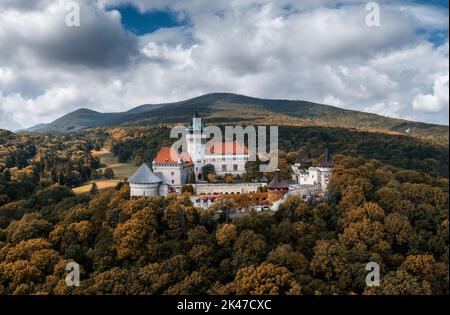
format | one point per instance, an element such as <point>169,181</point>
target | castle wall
<point>221,188</point>
<point>163,190</point>
<point>175,173</point>
<point>147,190</point>
<point>228,164</point>
<point>313,176</point>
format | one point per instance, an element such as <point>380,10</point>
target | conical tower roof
<point>144,176</point>
<point>328,160</point>
<point>303,157</point>
<point>278,182</point>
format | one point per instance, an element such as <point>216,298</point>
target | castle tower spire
<point>196,141</point>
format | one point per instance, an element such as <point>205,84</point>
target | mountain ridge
<point>227,107</point>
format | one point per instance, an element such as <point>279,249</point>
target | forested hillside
<point>142,143</point>
<point>240,109</point>
<point>30,160</point>
<point>165,246</point>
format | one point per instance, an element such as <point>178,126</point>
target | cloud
<point>99,41</point>
<point>24,5</point>
<point>437,101</point>
<point>6,75</point>
<point>317,51</point>
<point>43,107</point>
<point>426,16</point>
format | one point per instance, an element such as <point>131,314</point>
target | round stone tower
<point>144,182</point>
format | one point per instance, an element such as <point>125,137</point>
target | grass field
<point>121,170</point>
<point>101,184</point>
<point>107,159</point>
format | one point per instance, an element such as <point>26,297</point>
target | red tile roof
<point>228,147</point>
<point>168,155</point>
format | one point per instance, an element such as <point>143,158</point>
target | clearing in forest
<point>107,159</point>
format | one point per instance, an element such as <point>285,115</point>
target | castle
<point>304,173</point>
<point>227,157</point>
<point>172,170</point>
<point>177,168</point>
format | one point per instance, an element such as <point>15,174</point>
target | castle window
<point>224,168</point>
<point>235,167</point>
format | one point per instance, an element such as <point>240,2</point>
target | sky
<point>127,53</point>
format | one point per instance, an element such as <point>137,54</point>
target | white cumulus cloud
<point>437,101</point>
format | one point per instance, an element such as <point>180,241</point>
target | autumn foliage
<point>395,217</point>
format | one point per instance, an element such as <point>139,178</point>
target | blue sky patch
<point>147,22</point>
<point>440,3</point>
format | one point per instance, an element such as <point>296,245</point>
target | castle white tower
<point>196,141</point>
<point>145,183</point>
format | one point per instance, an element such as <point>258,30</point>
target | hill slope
<point>226,107</point>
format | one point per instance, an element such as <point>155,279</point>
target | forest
<point>388,203</point>
<point>31,160</point>
<point>142,144</point>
